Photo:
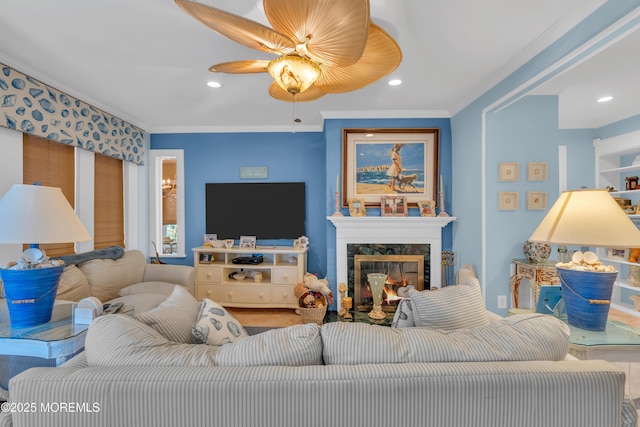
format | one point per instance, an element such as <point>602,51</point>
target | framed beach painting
<point>384,162</point>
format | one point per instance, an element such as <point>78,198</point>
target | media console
<point>281,269</point>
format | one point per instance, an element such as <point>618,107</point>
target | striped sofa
<point>510,373</point>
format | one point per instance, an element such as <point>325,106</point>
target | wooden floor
<point>270,317</point>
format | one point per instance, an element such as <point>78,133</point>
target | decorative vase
<point>536,252</point>
<point>376,282</point>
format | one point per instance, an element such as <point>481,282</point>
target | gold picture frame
<point>536,200</point>
<point>393,206</point>
<point>369,157</point>
<point>508,171</point>
<point>508,200</point>
<point>357,207</point>
<point>427,207</point>
<point>537,171</point>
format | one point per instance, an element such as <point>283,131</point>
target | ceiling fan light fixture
<point>293,73</point>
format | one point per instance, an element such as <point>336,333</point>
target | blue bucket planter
<point>587,297</point>
<point>30,294</point>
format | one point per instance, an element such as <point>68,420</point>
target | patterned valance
<point>31,106</point>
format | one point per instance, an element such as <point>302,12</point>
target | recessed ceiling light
<point>605,99</point>
<point>395,82</point>
<point>214,84</point>
<point>369,135</point>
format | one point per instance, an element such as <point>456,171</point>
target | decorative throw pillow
<point>451,307</point>
<point>515,338</point>
<point>174,317</point>
<point>216,326</point>
<point>404,315</point>
<point>120,340</point>
<point>297,345</point>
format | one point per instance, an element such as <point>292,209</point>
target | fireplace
<point>412,230</point>
<point>401,271</point>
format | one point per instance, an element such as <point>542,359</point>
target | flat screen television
<point>267,210</point>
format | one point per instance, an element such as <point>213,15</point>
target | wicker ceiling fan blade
<point>238,29</point>
<point>310,94</point>
<point>381,56</point>
<point>335,30</point>
<point>241,67</point>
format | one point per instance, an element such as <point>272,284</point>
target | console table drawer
<point>211,292</point>
<point>209,274</point>
<point>283,295</point>
<point>285,276</point>
<point>246,294</point>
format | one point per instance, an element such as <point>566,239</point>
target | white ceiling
<point>147,61</point>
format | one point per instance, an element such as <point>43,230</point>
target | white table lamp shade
<point>39,214</point>
<point>587,218</point>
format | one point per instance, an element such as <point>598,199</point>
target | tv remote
<point>112,308</point>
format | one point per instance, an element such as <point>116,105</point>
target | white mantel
<point>390,229</point>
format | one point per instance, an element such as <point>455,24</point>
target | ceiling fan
<point>323,46</point>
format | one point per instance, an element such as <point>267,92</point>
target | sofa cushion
<point>404,318</point>
<point>120,340</point>
<point>174,317</point>
<point>451,307</point>
<point>107,276</point>
<point>216,326</point>
<point>163,288</point>
<point>297,345</point>
<point>515,338</point>
<point>73,284</point>
<point>141,302</point>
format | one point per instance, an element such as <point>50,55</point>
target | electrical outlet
<point>502,301</point>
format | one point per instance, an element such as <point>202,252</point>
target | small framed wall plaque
<point>537,171</point>
<point>536,200</point>
<point>508,200</point>
<point>508,171</point>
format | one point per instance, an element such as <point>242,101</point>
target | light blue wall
<point>527,131</point>
<point>217,157</point>
<point>484,237</point>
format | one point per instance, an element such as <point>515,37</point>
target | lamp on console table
<point>28,214</point>
<point>587,218</point>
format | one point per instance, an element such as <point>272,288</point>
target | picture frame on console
<point>378,162</point>
<point>205,258</point>
<point>248,242</point>
<point>393,206</point>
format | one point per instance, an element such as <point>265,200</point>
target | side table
<point>537,273</point>
<point>50,344</point>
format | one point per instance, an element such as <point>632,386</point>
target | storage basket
<point>313,315</point>
<point>587,297</point>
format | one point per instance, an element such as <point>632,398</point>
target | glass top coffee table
<point>619,342</point>
<point>50,344</point>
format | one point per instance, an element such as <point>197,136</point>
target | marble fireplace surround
<point>381,230</point>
